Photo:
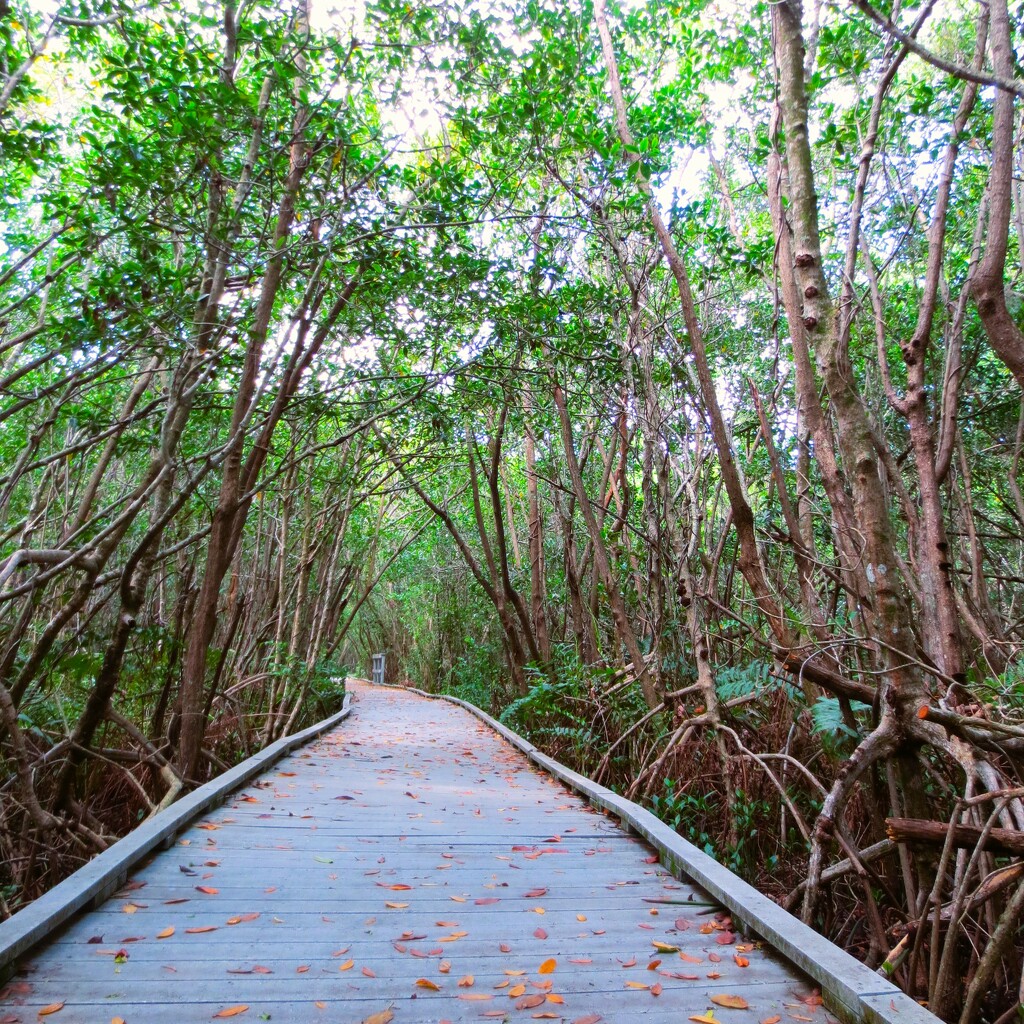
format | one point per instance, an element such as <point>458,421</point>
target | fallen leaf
<point>52,1008</point>
<point>656,989</point>
<point>548,966</point>
<point>117,1020</point>
<point>706,1018</point>
<point>199,931</point>
<point>209,890</point>
<point>444,967</point>
<point>427,983</point>
<point>231,1011</point>
<point>166,933</point>
<point>690,959</point>
<point>486,901</point>
<point>772,1020</point>
<point>504,947</point>
<point>725,938</point>
<point>741,961</point>
<point>590,1018</point>
<point>534,894</point>
<point>529,1002</point>
<point>730,1002</point>
<point>396,906</point>
<point>368,972</point>
<point>476,996</point>
<point>515,993</point>
<point>581,960</point>
<point>540,934</point>
<point>581,917</point>
<point>347,965</point>
<point>302,970</point>
<point>664,947</point>
<point>383,1017</point>
<point>467,981</point>
<point>636,984</point>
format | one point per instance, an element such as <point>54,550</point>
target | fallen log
<point>920,830</point>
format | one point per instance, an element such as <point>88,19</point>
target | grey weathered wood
<point>106,873</point>
<point>852,990</point>
<point>317,869</point>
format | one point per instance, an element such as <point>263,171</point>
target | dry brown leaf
<point>396,906</point>
<point>467,981</point>
<point>590,1018</point>
<point>166,933</point>
<point>730,1002</point>
<point>427,983</point>
<point>529,1002</point>
<point>383,1017</point>
<point>772,1020</point>
<point>231,1011</point>
<point>52,1008</point>
<point>368,973</point>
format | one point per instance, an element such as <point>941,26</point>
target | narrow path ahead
<point>411,863</point>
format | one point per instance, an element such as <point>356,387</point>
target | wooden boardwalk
<point>411,863</point>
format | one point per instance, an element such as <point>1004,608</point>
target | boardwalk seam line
<point>108,871</point>
<point>851,989</point>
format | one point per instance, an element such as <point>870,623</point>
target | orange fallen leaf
<point>166,933</point>
<point>52,1008</point>
<point>690,959</point>
<point>548,966</point>
<point>535,894</point>
<point>636,984</point>
<point>554,997</point>
<point>320,1005</point>
<point>656,989</point>
<point>117,1020</point>
<point>444,967</point>
<point>476,996</point>
<point>706,1018</point>
<point>540,934</point>
<point>504,947</point>
<point>581,917</point>
<point>302,970</point>
<point>383,1017</point>
<point>231,1011</point>
<point>208,889</point>
<point>398,887</point>
<point>515,993</point>
<point>529,1002</point>
<point>199,931</point>
<point>590,1018</point>
<point>741,961</point>
<point>396,906</point>
<point>467,981</point>
<point>368,973</point>
<point>347,965</point>
<point>730,1002</point>
<point>772,1020</point>
<point>427,983</point>
<point>581,960</point>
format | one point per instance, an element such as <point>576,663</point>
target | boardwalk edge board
<point>108,871</point>
<point>851,990</point>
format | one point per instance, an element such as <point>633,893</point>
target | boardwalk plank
<point>455,829</point>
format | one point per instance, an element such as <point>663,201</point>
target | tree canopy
<point>648,373</point>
